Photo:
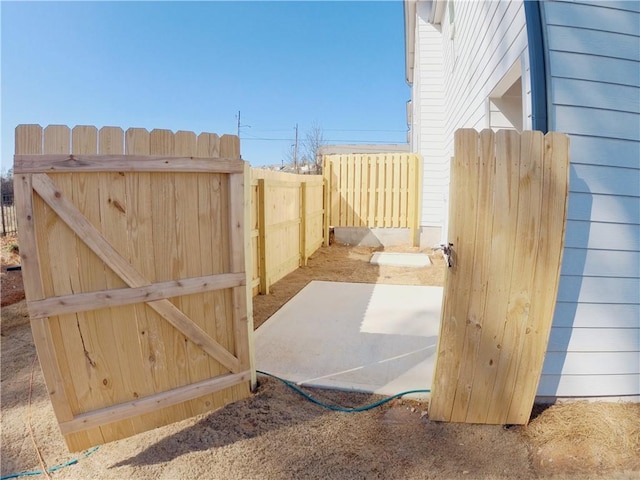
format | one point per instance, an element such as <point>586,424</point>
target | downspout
<point>537,68</point>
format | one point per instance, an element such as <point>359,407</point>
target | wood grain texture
<point>122,360</point>
<point>121,163</point>
<point>124,411</point>
<point>375,191</point>
<point>507,220</point>
<point>283,242</point>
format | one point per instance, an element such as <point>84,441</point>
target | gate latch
<point>447,252</point>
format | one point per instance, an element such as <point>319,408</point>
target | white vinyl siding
<point>594,96</point>
<point>453,79</point>
<point>429,119</point>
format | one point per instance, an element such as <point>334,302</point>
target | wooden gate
<point>507,220</point>
<point>135,276</point>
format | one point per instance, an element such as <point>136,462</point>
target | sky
<point>194,65</point>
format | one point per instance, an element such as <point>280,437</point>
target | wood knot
<point>57,194</point>
<point>118,205</point>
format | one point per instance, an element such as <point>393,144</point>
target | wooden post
<point>248,267</point>
<point>326,173</point>
<point>416,186</point>
<point>262,237</point>
<point>303,223</point>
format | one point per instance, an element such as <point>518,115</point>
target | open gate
<point>507,219</point>
<point>133,259</point>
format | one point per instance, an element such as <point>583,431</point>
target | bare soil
<point>278,434</point>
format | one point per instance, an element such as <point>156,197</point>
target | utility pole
<point>238,123</point>
<point>295,152</point>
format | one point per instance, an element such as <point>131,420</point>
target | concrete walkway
<point>354,336</point>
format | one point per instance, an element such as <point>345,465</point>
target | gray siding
<point>594,96</point>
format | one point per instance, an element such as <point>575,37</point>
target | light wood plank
<point>208,146</point>
<point>480,327</point>
<point>263,237</point>
<point>504,240</point>
<point>447,359</point>
<point>336,167</point>
<point>373,189</point>
<point>388,190</point>
<point>412,198</point>
<point>403,221</point>
<point>237,264</point>
<point>69,332</point>
<point>248,335</point>
<point>232,241</point>
<point>188,241</point>
<point>551,232</point>
<point>510,251</point>
<point>124,270</point>
<point>366,189</point>
<point>327,213</point>
<point>357,184</point>
<point>453,317</point>
<point>209,217</point>
<point>119,333</point>
<point>395,203</point>
<point>155,362</point>
<point>151,403</point>
<point>82,302</point>
<point>352,187</point>
<point>96,328</point>
<point>29,138</point>
<point>303,224</point>
<point>520,297</point>
<point>478,231</point>
<point>120,163</point>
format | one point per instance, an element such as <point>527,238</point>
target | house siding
<point>593,94</point>
<point>454,74</point>
<point>593,73</point>
<point>428,127</point>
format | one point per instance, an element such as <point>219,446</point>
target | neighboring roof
<point>363,148</point>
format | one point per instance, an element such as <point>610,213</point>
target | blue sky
<point>193,65</point>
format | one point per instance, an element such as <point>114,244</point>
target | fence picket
<point>374,190</point>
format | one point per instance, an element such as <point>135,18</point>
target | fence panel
<point>373,190</point>
<point>8,213</point>
<point>507,219</point>
<point>133,256</point>
<point>288,220</point>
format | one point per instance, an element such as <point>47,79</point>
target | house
<point>566,66</point>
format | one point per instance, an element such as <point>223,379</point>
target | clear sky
<point>194,65</point>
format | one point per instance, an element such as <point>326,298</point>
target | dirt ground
<point>277,434</point>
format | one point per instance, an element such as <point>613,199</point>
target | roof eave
<point>409,38</point>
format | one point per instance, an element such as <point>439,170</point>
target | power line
<point>260,139</point>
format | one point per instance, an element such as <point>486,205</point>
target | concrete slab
<point>397,259</point>
<point>354,336</point>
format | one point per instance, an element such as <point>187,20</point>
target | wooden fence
<point>287,223</point>
<point>507,219</point>
<point>373,190</point>
<point>8,214</point>
<point>133,257</point>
